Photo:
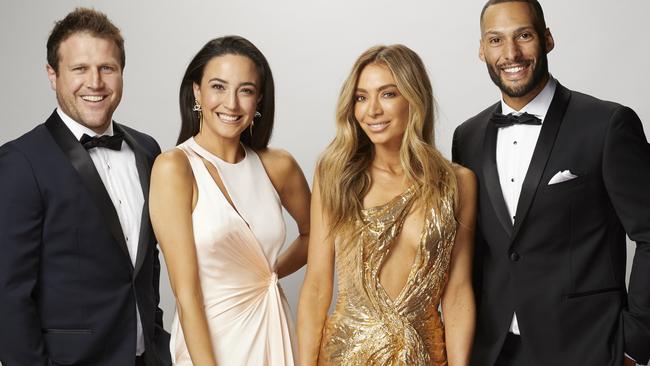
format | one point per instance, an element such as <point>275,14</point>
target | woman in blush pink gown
<point>216,205</point>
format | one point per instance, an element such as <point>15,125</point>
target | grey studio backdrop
<point>602,49</point>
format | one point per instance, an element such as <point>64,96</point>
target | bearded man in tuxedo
<point>563,177</point>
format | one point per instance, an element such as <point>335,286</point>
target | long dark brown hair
<point>258,137</point>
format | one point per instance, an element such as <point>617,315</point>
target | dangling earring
<point>197,108</point>
<point>257,115</point>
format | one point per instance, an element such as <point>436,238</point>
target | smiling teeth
<point>377,124</point>
<point>93,98</point>
<point>228,118</point>
<point>513,69</point>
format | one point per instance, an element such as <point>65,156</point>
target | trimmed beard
<point>541,69</point>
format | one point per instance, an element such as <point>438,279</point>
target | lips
<point>515,71</point>
<point>378,126</point>
<point>93,98</point>
<point>229,118</point>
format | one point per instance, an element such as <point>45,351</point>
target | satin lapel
<point>491,175</point>
<point>144,172</point>
<point>543,149</point>
<point>83,164</point>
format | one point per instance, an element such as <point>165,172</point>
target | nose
<point>374,107</point>
<point>95,80</point>
<point>512,51</point>
<point>231,101</point>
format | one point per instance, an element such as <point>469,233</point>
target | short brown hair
<point>538,13</point>
<point>83,20</point>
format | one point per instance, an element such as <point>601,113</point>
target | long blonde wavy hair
<point>343,168</point>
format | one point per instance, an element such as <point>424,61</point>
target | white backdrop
<point>602,49</point>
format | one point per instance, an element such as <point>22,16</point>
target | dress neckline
<point>404,193</point>
<point>214,158</point>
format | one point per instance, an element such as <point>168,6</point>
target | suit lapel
<point>491,174</point>
<point>543,149</point>
<point>83,164</point>
<point>143,166</point>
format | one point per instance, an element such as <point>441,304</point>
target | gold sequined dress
<point>367,327</point>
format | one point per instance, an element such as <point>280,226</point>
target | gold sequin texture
<point>367,327</point>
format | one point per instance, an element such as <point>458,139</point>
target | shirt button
<point>514,256</point>
<point>120,201</point>
<point>514,142</point>
<point>512,179</point>
<point>108,166</point>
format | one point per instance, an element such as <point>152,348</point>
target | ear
<point>51,74</point>
<point>481,52</point>
<point>548,38</point>
<point>197,91</point>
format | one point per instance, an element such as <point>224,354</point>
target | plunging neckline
<point>367,213</point>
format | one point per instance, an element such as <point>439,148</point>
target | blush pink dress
<point>237,249</point>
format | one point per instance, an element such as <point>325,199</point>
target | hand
<point>628,361</point>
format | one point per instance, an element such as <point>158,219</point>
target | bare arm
<point>292,187</point>
<point>316,293</point>
<point>458,306</point>
<point>170,205</point>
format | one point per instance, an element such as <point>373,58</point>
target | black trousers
<point>511,353</point>
<point>139,360</point>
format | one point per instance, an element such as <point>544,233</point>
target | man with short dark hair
<point>562,178</point>
<point>79,267</point>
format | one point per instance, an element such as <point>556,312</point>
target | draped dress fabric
<point>367,327</point>
<point>237,248</point>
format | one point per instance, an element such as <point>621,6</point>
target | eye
<point>494,41</point>
<point>107,69</point>
<point>79,68</point>
<point>526,36</point>
<point>359,98</point>
<point>218,86</point>
<point>389,94</point>
<point>247,91</point>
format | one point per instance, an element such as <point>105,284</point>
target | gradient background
<point>602,49</point>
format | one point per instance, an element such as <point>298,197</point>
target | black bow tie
<point>110,142</point>
<point>505,120</point>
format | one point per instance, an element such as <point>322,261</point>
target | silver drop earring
<point>257,115</point>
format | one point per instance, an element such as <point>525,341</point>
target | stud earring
<point>257,114</point>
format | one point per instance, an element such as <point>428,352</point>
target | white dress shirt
<point>118,172</point>
<point>515,147</point>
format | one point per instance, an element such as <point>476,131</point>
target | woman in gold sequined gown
<point>396,220</point>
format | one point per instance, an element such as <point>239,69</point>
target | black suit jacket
<point>68,289</point>
<point>561,266</point>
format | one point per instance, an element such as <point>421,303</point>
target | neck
<point>386,158</point>
<point>517,103</point>
<point>229,150</point>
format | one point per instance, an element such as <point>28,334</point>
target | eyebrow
<point>246,83</point>
<point>383,87</point>
<point>520,29</point>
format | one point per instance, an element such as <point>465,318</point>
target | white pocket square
<point>562,176</point>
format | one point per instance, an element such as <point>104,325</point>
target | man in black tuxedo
<point>79,267</point>
<point>562,178</point>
